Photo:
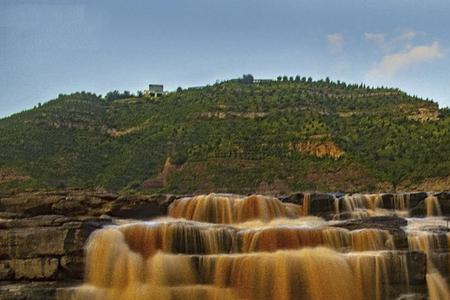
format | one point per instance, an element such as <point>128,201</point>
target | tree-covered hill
<point>235,136</point>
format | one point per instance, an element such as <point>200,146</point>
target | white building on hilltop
<point>154,90</point>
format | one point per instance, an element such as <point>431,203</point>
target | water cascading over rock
<point>229,209</point>
<point>257,247</point>
<point>432,238</point>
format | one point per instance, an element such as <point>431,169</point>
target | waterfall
<point>220,246</point>
<point>431,243</point>
<point>433,206</point>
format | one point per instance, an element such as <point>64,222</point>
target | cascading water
<point>231,247</point>
<point>361,206</point>
<point>222,209</point>
<point>433,206</point>
<point>430,236</point>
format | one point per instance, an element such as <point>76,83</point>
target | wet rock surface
<point>412,297</point>
<point>29,290</point>
<point>444,201</point>
<point>390,223</point>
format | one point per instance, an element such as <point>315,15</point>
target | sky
<point>48,47</point>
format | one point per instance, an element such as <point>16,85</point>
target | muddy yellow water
<point>257,248</point>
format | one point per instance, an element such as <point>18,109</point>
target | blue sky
<point>49,47</point>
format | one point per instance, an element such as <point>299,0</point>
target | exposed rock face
<point>320,204</point>
<point>392,224</point>
<point>42,236</point>
<point>415,199</point>
<point>318,149</point>
<point>44,247</point>
<point>81,203</point>
<point>444,201</point>
<point>425,114</point>
<point>389,223</point>
<point>38,290</point>
<point>7,175</point>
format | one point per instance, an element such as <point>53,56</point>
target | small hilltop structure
<point>154,90</point>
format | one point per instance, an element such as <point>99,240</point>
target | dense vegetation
<point>234,136</point>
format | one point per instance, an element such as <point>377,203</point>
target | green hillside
<point>234,136</point>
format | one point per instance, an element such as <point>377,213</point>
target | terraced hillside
<point>233,136</point>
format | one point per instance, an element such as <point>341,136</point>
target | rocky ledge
<point>42,235</point>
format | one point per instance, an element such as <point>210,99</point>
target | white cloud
<point>378,38</point>
<point>392,64</point>
<point>393,43</point>
<point>407,35</point>
<point>336,42</point>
